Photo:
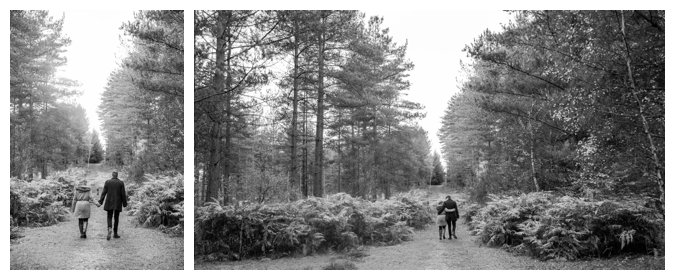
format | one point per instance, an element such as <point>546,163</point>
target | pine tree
<point>438,175</point>
<point>96,155</point>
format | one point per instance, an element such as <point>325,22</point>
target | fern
<point>337,222</point>
<point>548,226</point>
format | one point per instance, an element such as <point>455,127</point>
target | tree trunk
<point>354,168</point>
<point>294,119</point>
<point>532,160</point>
<point>213,172</point>
<point>645,125</point>
<point>530,131</point>
<point>318,149</point>
<point>214,168</point>
<point>339,162</point>
<point>227,170</point>
<point>305,153</point>
<point>43,169</point>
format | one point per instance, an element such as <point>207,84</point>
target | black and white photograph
<point>402,139</point>
<point>96,145</point>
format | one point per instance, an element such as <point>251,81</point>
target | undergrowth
<point>547,226</point>
<point>337,222</point>
<point>158,201</point>
<point>43,202</point>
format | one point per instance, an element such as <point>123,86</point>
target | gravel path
<point>60,247</point>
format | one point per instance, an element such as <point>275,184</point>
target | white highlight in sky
<point>435,42</point>
<point>95,51</point>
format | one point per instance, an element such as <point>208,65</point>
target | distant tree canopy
<point>562,100</point>
<point>142,106</point>
<point>96,153</point>
<point>437,174</point>
<point>46,131</point>
<point>333,117</point>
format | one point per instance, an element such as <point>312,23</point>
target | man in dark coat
<point>451,215</point>
<point>115,198</point>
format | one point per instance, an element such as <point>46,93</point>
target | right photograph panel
<point>429,139</point>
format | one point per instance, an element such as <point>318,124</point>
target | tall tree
<point>37,45</point>
<point>438,176</point>
<point>551,99</point>
<point>316,99</point>
<point>230,58</point>
<point>96,152</point>
<point>142,105</point>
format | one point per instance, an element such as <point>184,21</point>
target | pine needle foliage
<point>338,222</point>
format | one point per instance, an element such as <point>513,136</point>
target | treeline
<point>142,106</point>
<point>48,130</point>
<point>567,101</point>
<point>290,104</point>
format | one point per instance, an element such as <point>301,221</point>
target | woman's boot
<point>84,232</point>
<point>81,226</point>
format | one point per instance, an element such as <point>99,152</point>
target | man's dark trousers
<point>451,217</point>
<point>116,214</point>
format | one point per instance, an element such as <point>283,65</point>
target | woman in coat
<point>440,220</point>
<point>81,208</point>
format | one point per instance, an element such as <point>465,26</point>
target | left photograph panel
<point>96,140</point>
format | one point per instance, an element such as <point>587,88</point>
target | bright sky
<point>95,51</point>
<point>435,42</point>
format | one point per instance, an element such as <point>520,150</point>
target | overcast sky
<point>435,42</point>
<point>95,51</point>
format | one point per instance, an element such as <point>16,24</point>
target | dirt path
<point>425,251</point>
<point>60,247</point>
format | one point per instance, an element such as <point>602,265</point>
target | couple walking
<point>447,216</point>
<point>115,198</point>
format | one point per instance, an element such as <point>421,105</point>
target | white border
<point>189,6</point>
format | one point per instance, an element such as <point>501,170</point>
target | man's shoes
<point>116,236</point>
<point>109,233</point>
<point>455,236</point>
<point>84,235</point>
<point>443,236</point>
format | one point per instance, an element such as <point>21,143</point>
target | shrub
<point>548,226</point>
<point>158,202</point>
<point>337,222</point>
<point>42,202</point>
<point>14,229</point>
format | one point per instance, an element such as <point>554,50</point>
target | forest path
<point>426,251</point>
<point>60,246</point>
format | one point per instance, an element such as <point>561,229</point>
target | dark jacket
<point>116,195</point>
<point>451,204</point>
